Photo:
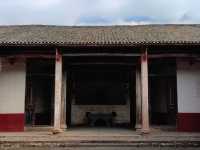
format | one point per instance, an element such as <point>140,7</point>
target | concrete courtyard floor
<point>99,137</point>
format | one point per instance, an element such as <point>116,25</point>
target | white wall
<point>79,112</point>
<point>188,86</point>
<point>12,86</point>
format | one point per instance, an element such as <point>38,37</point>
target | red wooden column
<point>63,105</point>
<point>58,91</point>
<point>144,92</point>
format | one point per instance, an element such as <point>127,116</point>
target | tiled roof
<point>99,35</point>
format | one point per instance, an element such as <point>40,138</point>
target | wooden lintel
<point>168,55</point>
<point>151,56</point>
<point>102,63</point>
<point>103,54</point>
<point>43,56</point>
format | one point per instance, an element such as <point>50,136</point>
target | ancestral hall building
<point>116,76</point>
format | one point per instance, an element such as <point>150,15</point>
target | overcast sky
<point>98,12</point>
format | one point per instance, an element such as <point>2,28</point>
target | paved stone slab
<point>102,137</point>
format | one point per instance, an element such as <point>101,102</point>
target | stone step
<point>100,143</point>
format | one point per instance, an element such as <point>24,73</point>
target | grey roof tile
<point>98,35</point>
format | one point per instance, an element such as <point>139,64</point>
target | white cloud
<point>98,12</point>
<point>44,3</point>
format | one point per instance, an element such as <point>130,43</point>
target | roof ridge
<point>97,26</point>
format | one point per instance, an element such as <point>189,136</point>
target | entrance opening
<point>101,92</point>
<point>163,98</point>
<point>39,92</point>
<point>100,87</point>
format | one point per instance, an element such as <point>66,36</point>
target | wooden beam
<point>151,56</point>
<point>173,55</point>
<point>102,54</point>
<point>103,63</point>
<point>144,92</point>
<point>58,91</point>
<point>43,56</point>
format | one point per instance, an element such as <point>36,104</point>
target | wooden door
<point>172,100</point>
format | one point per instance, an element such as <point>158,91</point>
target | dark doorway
<point>163,98</point>
<point>132,94</point>
<point>39,92</point>
<point>101,85</point>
